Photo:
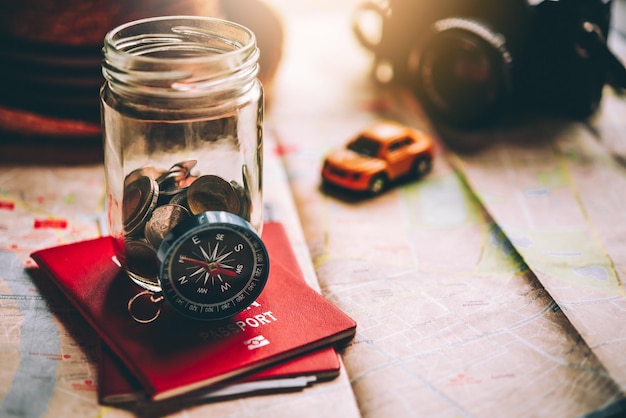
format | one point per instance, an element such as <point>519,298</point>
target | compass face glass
<point>214,271</point>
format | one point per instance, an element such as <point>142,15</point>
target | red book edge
<point>117,385</point>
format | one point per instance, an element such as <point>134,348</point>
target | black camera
<point>468,60</point>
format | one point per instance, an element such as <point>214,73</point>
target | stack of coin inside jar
<point>182,111</point>
<point>156,200</point>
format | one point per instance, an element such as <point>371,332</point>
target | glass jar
<point>182,113</point>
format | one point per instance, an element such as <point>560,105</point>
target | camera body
<point>468,60</point>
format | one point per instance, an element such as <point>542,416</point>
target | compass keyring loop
<point>156,300</point>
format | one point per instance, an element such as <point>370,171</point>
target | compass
<point>212,266</point>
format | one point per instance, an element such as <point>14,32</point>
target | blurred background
<point>51,76</point>
<point>51,51</point>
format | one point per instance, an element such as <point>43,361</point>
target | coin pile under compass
<point>156,201</point>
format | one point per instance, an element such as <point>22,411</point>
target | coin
<point>162,220</point>
<point>212,193</point>
<point>166,191</point>
<point>168,182</point>
<point>244,200</point>
<point>141,261</point>
<point>180,199</point>
<point>140,198</point>
<point>155,201</point>
<point>186,182</point>
<point>178,171</point>
<point>245,176</point>
<point>147,171</point>
<point>176,179</point>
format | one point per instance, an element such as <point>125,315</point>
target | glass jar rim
<point>112,45</point>
<point>180,57</point>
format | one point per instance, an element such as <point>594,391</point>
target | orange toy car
<point>377,156</point>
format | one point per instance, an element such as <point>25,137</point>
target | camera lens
<point>463,72</point>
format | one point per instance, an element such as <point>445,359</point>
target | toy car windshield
<point>364,146</point>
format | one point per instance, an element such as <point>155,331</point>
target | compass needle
<point>206,256</point>
<point>214,255</point>
<point>198,271</point>
<point>222,257</point>
<point>226,267</point>
<point>228,272</point>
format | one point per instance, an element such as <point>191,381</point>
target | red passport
<point>117,385</point>
<point>174,355</point>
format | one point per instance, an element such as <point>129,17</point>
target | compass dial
<point>213,266</point>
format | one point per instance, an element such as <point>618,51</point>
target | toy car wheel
<point>378,184</point>
<point>421,166</point>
